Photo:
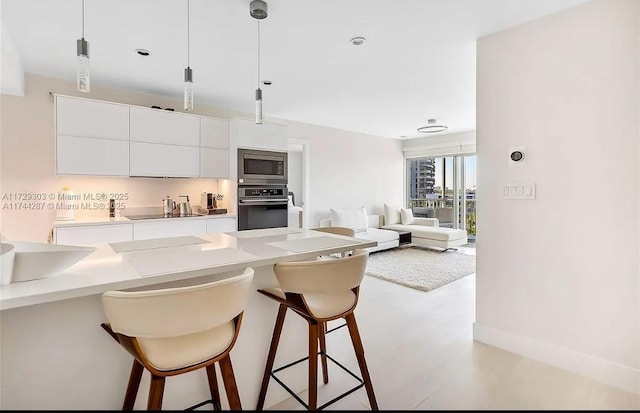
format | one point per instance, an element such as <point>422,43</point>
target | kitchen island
<point>55,355</point>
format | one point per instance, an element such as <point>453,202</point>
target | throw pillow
<point>406,215</point>
<point>391,214</point>
<point>355,219</point>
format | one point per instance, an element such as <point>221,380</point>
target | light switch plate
<point>518,190</point>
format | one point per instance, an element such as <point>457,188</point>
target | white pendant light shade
<point>432,127</point>
<point>259,106</point>
<point>82,47</point>
<point>84,76</point>
<point>188,89</point>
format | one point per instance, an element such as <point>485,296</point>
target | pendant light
<point>188,73</point>
<point>82,46</point>
<point>258,10</point>
<point>432,127</point>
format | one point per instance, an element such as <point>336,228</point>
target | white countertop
<point>104,269</point>
<point>122,220</point>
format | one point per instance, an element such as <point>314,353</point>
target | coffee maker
<point>208,200</point>
<point>209,204</point>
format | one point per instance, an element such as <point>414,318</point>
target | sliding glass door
<point>444,188</point>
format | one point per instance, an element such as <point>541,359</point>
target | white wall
<point>350,170</point>
<point>295,172</point>
<point>347,169</point>
<point>557,277</point>
<point>12,74</point>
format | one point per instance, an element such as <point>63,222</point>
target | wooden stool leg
<point>155,393</point>
<point>359,350</point>
<point>313,365</point>
<point>230,383</point>
<point>213,386</point>
<point>322,328</point>
<point>282,311</point>
<point>134,385</point>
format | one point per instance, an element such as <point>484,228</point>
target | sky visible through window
<point>470,172</point>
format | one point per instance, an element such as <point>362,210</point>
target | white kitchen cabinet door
<point>214,163</point>
<point>88,156</point>
<point>91,118</point>
<point>269,136</point>
<point>215,225</point>
<point>151,159</point>
<point>161,126</point>
<point>93,234</point>
<point>176,228</point>
<point>214,133</point>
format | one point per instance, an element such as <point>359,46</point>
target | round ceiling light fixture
<point>258,9</point>
<point>432,127</point>
<point>358,41</point>
<point>143,52</point>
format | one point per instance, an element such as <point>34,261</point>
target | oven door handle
<point>263,201</point>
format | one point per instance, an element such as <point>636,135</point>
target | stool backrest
<point>322,276</point>
<point>177,311</point>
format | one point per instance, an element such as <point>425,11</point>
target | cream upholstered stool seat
<point>319,291</point>
<point>177,330</point>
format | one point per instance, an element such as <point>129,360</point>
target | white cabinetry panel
<point>214,163</point>
<point>159,126</point>
<point>87,156</point>
<point>91,118</point>
<point>221,225</point>
<point>214,133</point>
<point>150,159</point>
<point>184,226</point>
<point>94,234</point>
<point>268,136</point>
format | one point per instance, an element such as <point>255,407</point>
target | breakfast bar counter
<point>55,355</point>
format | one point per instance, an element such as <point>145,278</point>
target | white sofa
<point>424,231</point>
<point>386,238</point>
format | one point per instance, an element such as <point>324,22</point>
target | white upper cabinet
<point>161,126</point>
<point>214,163</point>
<point>91,118</point>
<point>269,136</point>
<point>214,133</point>
<point>153,159</point>
<point>88,156</point>
<point>112,139</point>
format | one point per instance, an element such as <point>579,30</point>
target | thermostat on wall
<point>517,154</point>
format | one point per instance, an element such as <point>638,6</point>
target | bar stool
<point>318,291</point>
<point>347,232</point>
<point>177,330</point>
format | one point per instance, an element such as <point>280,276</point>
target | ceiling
<point>418,61</point>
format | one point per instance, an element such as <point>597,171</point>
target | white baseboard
<point>613,374</point>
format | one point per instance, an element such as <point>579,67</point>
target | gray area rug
<point>420,268</point>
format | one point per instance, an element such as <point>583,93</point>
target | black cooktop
<point>154,216</point>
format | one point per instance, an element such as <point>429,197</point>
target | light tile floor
<point>422,356</point>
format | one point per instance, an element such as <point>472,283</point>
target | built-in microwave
<point>258,167</point>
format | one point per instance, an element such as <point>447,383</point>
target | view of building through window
<point>432,183</point>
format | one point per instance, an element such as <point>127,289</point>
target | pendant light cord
<point>83,19</point>
<point>188,32</point>
<point>258,54</point>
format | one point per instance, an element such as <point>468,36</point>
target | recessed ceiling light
<point>267,82</point>
<point>357,41</point>
<point>143,52</point>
